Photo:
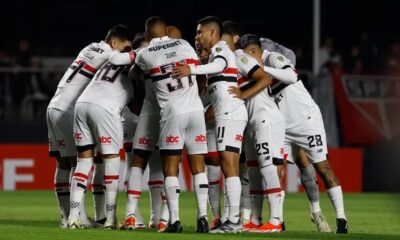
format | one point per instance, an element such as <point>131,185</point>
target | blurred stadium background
<point>355,80</point>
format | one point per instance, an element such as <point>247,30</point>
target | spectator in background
<point>369,55</point>
<point>392,62</point>
<point>5,61</point>
<point>325,53</point>
<point>352,61</point>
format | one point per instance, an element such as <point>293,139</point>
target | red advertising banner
<point>28,167</point>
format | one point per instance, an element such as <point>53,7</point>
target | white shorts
<point>229,134</point>
<point>309,136</point>
<point>95,125</point>
<point>265,144</point>
<point>187,130</point>
<point>147,132</point>
<point>211,139</point>
<point>61,133</point>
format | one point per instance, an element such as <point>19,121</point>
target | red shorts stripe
<point>273,190</point>
<point>151,183</point>
<point>81,175</point>
<point>111,177</point>
<point>252,163</point>
<point>212,154</point>
<point>132,192</point>
<point>256,192</point>
<point>214,183</point>
<point>64,184</point>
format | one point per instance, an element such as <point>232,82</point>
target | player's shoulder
<point>95,50</point>
<point>220,48</point>
<point>275,59</point>
<point>244,59</point>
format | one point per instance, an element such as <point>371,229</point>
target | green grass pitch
<point>31,215</point>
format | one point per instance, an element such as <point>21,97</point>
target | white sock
<point>98,192</point>
<point>200,183</point>
<point>138,216</point>
<point>225,214</point>
<point>61,187</point>
<point>273,191</point>
<point>111,179</point>
<point>78,186</point>
<point>134,190</point>
<point>214,192</point>
<point>315,207</point>
<point>256,194</point>
<point>336,196</point>
<point>155,189</point>
<point>245,202</point>
<point>281,206</point>
<point>165,209</point>
<point>233,191</point>
<point>172,191</point>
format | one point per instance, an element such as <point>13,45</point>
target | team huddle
<point>233,102</point>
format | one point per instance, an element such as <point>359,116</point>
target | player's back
<point>79,74</point>
<point>174,96</point>
<point>218,84</point>
<point>110,88</point>
<point>293,100</point>
<point>262,104</point>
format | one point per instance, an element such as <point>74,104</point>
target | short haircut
<point>247,40</point>
<point>232,28</point>
<point>119,31</point>
<point>214,20</point>
<point>152,21</point>
<point>138,40</point>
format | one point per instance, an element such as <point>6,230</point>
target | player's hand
<point>180,71</point>
<point>236,92</point>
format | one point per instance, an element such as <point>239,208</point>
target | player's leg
<point>62,173</point>
<point>255,184</point>
<point>314,143</point>
<point>229,143</point>
<point>144,142</point>
<point>196,146</point>
<point>213,175</point>
<point>98,190</point>
<point>85,143</point>
<point>265,153</point>
<point>245,202</point>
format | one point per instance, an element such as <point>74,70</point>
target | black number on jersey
<point>318,141</point>
<point>76,70</point>
<point>110,72</point>
<point>175,84</point>
<point>220,132</point>
<point>262,148</point>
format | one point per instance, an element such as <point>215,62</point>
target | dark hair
<point>232,28</point>
<point>247,40</point>
<point>120,31</point>
<point>212,19</point>
<point>138,40</point>
<point>151,21</point>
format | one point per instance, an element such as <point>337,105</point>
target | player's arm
<point>126,58</point>
<point>262,81</point>
<point>279,67</point>
<point>216,66</point>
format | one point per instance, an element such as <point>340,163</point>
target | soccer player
<point>60,114</point>
<point>304,124</point>
<point>182,119</point>
<point>98,122</point>
<point>264,135</point>
<point>230,112</point>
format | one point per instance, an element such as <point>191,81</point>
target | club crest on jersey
<point>244,60</point>
<point>218,49</point>
<point>280,58</point>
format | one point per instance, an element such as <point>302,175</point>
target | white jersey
<point>218,84</point>
<point>261,106</point>
<point>79,74</point>
<point>110,89</point>
<point>174,96</point>
<point>293,100</point>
